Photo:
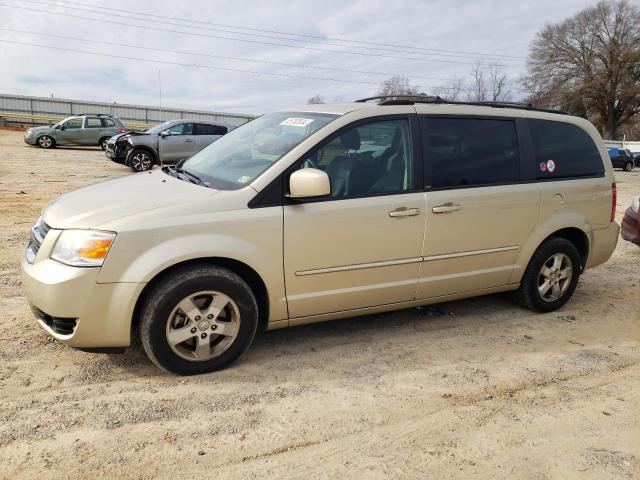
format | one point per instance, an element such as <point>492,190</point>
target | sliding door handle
<point>404,212</point>
<point>446,208</point>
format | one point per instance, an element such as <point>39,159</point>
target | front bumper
<point>71,306</point>
<point>116,153</point>
<point>631,226</point>
<point>31,139</point>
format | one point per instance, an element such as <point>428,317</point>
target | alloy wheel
<point>555,277</point>
<point>140,162</point>
<point>203,325</point>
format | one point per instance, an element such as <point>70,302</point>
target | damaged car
<point>166,143</point>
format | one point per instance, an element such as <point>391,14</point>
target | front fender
<point>262,253</point>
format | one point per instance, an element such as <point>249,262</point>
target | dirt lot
<point>475,388</point>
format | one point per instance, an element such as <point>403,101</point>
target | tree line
<point>587,65</point>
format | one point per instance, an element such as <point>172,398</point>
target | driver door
<point>362,245</point>
<point>70,132</point>
<point>178,144</point>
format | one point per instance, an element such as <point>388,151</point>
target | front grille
<point>38,234</point>
<point>60,325</point>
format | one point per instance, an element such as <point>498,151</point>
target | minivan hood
<point>120,197</point>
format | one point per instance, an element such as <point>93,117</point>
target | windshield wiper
<point>192,176</point>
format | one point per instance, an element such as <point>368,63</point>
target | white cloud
<point>490,26</point>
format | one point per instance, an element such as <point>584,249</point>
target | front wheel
<point>45,141</point>
<point>628,166</point>
<point>140,160</point>
<point>198,320</point>
<point>551,276</point>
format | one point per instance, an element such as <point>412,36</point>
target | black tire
<point>628,166</point>
<point>528,295</point>
<point>45,141</point>
<point>103,143</point>
<point>156,313</point>
<point>140,160</point>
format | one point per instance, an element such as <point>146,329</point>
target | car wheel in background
<point>103,143</point>
<point>628,166</point>
<point>45,141</point>
<point>198,320</point>
<point>551,276</point>
<point>140,161</point>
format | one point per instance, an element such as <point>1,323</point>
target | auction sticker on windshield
<point>297,122</point>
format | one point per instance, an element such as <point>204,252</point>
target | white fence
<point>43,106</point>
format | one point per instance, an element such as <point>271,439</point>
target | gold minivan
<point>324,212</point>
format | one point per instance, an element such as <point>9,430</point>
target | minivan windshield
<point>238,157</point>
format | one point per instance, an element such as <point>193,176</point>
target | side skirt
<point>388,307</point>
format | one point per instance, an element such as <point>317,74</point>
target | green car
<point>86,129</point>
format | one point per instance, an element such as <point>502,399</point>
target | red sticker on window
<point>543,166</point>
<point>551,166</point>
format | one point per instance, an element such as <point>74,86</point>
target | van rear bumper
<point>603,243</point>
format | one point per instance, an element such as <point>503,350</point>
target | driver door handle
<point>446,208</point>
<point>188,140</point>
<point>404,212</point>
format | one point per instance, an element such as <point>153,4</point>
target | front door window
<point>370,159</point>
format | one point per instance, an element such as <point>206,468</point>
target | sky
<point>256,56</point>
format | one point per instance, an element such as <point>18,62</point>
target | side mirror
<point>165,134</point>
<point>309,183</point>
<point>61,127</point>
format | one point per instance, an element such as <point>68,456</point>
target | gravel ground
<point>475,388</point>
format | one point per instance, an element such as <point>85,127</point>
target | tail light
<point>614,199</point>
<point>121,130</point>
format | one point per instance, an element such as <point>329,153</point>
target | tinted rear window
<point>467,152</point>
<point>207,129</point>
<point>567,148</point>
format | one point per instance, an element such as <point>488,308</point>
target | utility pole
<point>160,88</point>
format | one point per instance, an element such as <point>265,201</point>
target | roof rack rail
<point>419,98</point>
<point>96,114</point>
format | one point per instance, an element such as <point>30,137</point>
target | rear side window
<point>471,152</point>
<point>93,123</point>
<point>208,129</point>
<point>563,150</point>
<point>108,122</point>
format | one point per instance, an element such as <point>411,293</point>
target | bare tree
<point>452,92</point>
<point>590,65</point>
<point>489,83</point>
<point>397,85</point>
<point>315,100</point>
<point>499,84</point>
<point>478,91</point>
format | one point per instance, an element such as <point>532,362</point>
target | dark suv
<point>621,158</point>
<point>85,129</point>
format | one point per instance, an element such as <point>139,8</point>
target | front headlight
<point>635,204</point>
<point>83,248</point>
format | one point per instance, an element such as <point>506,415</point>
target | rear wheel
<point>551,276</point>
<point>628,166</point>
<point>140,160</point>
<point>199,320</point>
<point>103,143</point>
<point>45,141</point>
